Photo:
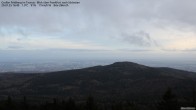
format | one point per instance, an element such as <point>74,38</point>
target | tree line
<point>168,101</point>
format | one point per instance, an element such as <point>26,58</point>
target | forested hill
<point>120,80</point>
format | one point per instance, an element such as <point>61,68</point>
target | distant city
<point>29,67</point>
<point>50,66</point>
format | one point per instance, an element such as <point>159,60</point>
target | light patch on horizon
<point>182,44</point>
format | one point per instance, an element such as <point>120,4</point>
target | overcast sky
<point>157,26</point>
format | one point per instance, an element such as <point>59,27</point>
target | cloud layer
<point>125,24</point>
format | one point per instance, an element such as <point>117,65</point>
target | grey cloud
<point>22,32</point>
<point>139,38</point>
<point>95,19</point>
<point>135,50</point>
<point>182,11</point>
<point>14,47</point>
<point>90,13</point>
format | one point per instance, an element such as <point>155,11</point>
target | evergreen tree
<point>117,106</point>
<point>90,103</point>
<point>9,104</point>
<point>55,104</point>
<point>193,99</point>
<point>25,105</point>
<point>169,101</point>
<point>70,105</point>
